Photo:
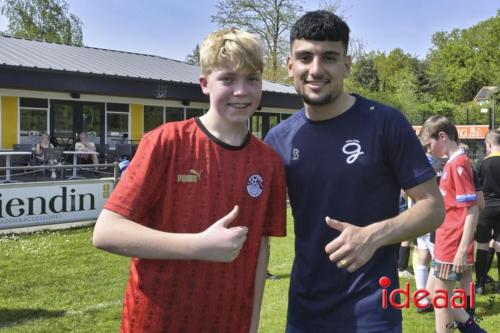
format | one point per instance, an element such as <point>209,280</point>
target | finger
<point>230,217</point>
<point>335,224</point>
<point>333,246</point>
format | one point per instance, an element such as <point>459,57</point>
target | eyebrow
<point>329,52</point>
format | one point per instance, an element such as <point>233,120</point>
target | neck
<point>335,108</point>
<point>452,148</point>
<point>233,134</point>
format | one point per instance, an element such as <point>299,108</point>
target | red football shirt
<point>182,180</point>
<point>457,188</point>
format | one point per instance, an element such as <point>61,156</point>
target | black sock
<point>470,311</point>
<point>498,265</point>
<point>481,262</point>
<point>491,255</point>
<point>404,256</point>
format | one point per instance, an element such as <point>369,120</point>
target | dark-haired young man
<point>347,159</point>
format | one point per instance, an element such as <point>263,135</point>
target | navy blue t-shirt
<point>351,168</point>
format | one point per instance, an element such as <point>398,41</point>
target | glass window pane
<point>153,117</point>
<point>174,114</point>
<point>92,121</point>
<point>117,127</point>
<point>256,125</point>
<point>33,123</point>
<point>191,113</point>
<point>63,124</point>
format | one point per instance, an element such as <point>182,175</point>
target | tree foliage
<point>194,57</point>
<point>270,20</point>
<point>47,20</point>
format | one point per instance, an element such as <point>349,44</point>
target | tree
<point>194,57</point>
<point>271,20</point>
<point>47,20</point>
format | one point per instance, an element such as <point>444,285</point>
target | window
<point>33,119</point>
<point>174,114</point>
<point>191,113</point>
<point>153,117</point>
<point>116,123</point>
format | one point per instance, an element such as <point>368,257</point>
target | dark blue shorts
<point>293,329</point>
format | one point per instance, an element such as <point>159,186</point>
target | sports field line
<point>79,312</point>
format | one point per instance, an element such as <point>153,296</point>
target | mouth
<point>239,105</point>
<point>317,83</point>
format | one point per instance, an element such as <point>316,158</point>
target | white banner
<point>33,204</point>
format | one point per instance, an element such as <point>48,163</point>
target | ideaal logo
<point>440,299</point>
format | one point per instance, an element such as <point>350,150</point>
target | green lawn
<point>57,282</point>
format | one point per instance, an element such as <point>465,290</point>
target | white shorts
<point>424,243</point>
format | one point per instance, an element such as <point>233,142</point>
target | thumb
<point>334,224</point>
<point>226,220</point>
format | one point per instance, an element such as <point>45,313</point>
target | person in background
<point>43,144</point>
<point>453,252</point>
<point>85,145</point>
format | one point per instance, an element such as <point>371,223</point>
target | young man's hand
<point>352,248</point>
<point>220,243</point>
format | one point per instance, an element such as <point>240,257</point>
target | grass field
<point>57,282</point>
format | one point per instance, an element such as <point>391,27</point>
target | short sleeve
<point>465,192</point>
<point>139,189</point>
<point>404,152</point>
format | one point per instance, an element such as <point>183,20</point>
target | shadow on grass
<point>280,276</point>
<point>13,317</point>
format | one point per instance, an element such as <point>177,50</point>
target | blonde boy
<point>453,252</point>
<point>197,204</point>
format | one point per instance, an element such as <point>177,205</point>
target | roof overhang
<point>83,83</point>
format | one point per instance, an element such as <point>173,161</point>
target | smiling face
<point>234,95</point>
<point>318,69</point>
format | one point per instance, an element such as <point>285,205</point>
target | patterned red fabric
<point>182,180</point>
<point>457,188</point>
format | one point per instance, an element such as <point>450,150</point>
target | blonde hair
<point>231,46</point>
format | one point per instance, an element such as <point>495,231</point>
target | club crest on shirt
<point>255,185</point>
<point>460,170</point>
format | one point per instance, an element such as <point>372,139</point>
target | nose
<point>315,67</point>
<point>240,88</point>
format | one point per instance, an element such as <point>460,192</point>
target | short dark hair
<point>320,25</point>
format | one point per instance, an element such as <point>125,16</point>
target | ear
<point>289,65</point>
<point>203,84</point>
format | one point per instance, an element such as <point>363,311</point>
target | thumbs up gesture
<point>219,242</point>
<point>352,248</point>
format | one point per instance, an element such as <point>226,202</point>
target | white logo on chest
<point>295,154</point>
<point>352,148</point>
<point>255,185</point>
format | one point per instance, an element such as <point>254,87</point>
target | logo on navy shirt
<point>295,154</point>
<point>255,185</point>
<point>352,148</point>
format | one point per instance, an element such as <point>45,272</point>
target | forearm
<point>469,228</point>
<point>260,281</point>
<point>425,215</point>
<point>116,234</point>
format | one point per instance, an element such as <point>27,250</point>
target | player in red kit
<point>197,204</point>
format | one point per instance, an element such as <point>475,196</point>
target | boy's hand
<point>460,262</point>
<point>220,243</point>
<point>352,248</point>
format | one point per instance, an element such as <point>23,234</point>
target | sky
<point>172,28</point>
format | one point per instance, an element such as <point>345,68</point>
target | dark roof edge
<point>85,83</point>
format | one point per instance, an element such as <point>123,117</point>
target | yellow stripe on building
<point>136,121</point>
<point>9,121</point>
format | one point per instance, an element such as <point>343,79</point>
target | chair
<point>123,151</point>
<point>53,156</point>
<point>103,152</point>
<point>24,160</point>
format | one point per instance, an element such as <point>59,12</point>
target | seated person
<point>85,145</point>
<point>43,144</point>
